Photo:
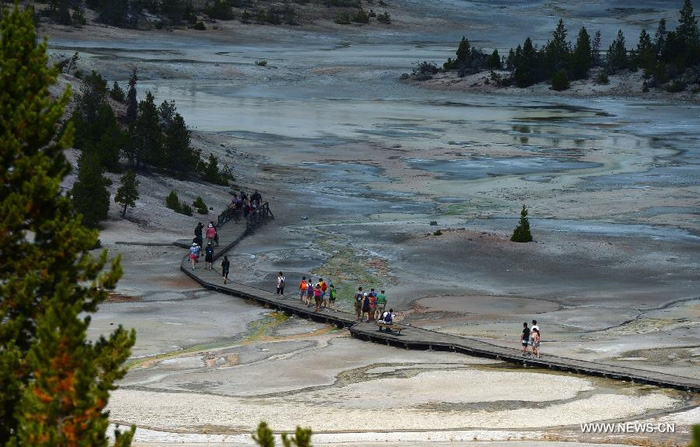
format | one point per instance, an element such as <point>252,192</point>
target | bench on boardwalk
<point>393,327</point>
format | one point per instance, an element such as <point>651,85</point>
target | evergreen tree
<point>558,50</point>
<point>90,195</point>
<point>128,192</point>
<point>617,53</point>
<point>646,52</point>
<point>660,37</point>
<point>117,93</point>
<point>522,231</point>
<point>526,62</point>
<point>463,52</point>
<point>181,158</point>
<point>494,61</point>
<point>55,383</point>
<point>131,102</point>
<point>595,49</point>
<point>147,136</point>
<point>581,57</point>
<point>688,34</point>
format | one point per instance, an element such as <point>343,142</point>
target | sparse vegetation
<point>200,206</point>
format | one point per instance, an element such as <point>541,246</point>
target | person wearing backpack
<point>333,296</point>
<point>302,289</point>
<point>280,284</point>
<point>381,303</point>
<point>317,297</point>
<point>310,293</point>
<point>359,297</point>
<point>208,256</point>
<point>324,288</point>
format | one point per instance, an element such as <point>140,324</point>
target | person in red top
<point>211,233</point>
<point>324,288</point>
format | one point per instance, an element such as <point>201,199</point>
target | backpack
<point>324,287</point>
<point>282,282</point>
<point>303,285</point>
<point>334,294</point>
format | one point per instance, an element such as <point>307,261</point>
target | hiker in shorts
<point>372,307</point>
<point>324,289</point>
<point>211,233</point>
<point>332,296</point>
<point>302,289</point>
<point>365,306</point>
<point>525,338</point>
<point>208,257</point>
<point>381,304</point>
<point>225,265</point>
<point>280,283</point>
<point>535,334</point>
<point>194,254</point>
<point>359,297</point>
<point>317,297</point>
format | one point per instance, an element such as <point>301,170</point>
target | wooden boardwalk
<point>410,338</point>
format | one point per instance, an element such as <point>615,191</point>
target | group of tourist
<point>198,242</point>
<point>369,306</point>
<point>320,294</point>
<point>530,337</point>
<point>242,205</point>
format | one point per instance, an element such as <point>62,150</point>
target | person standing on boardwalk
<point>365,306</point>
<point>211,233</point>
<point>333,295</point>
<point>359,297</point>
<point>525,338</point>
<point>324,288</point>
<point>532,328</point>
<point>194,254</point>
<point>198,234</point>
<point>280,283</point>
<point>225,265</point>
<point>372,307</point>
<point>208,256</point>
<point>302,289</point>
<point>310,293</point>
<point>317,297</point>
<point>381,304</point>
<point>535,342</point>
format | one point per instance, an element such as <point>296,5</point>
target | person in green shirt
<point>381,304</point>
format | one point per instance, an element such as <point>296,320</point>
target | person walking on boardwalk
<point>365,306</point>
<point>225,265</point>
<point>194,254</point>
<point>303,285</point>
<point>211,233</point>
<point>280,283</point>
<point>525,338</point>
<point>198,234</point>
<point>381,304</point>
<point>535,342</point>
<point>359,297</point>
<point>317,297</point>
<point>333,295</point>
<point>324,288</point>
<point>310,293</point>
<point>208,256</point>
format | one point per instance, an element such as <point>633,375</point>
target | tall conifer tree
<point>55,383</point>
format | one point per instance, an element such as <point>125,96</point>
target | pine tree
<point>147,136</point>
<point>617,53</point>
<point>522,231</point>
<point>128,192</point>
<point>524,73</point>
<point>581,56</point>
<point>90,195</point>
<point>558,50</point>
<point>660,37</point>
<point>687,32</point>
<point>181,158</point>
<point>646,52</point>
<point>595,49</point>
<point>463,52</point>
<point>132,105</point>
<point>494,61</point>
<point>55,383</point>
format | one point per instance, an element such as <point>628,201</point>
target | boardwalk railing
<point>256,218</point>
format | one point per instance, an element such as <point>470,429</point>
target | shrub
<point>343,18</point>
<point>200,206</point>
<point>79,17</point>
<point>560,81</point>
<point>361,16</point>
<point>437,233</point>
<point>186,210</point>
<point>384,17</point>
<point>117,93</point>
<point>424,71</point>
<point>245,17</point>
<point>172,201</point>
<point>676,86</point>
<point>199,26</point>
<point>602,77</point>
<point>220,10</point>
<point>261,63</point>
<point>522,231</point>
<point>344,3</point>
